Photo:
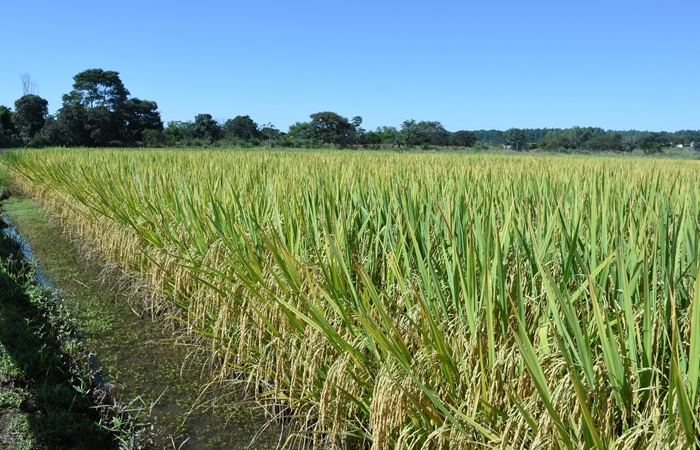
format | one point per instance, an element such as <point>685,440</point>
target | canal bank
<point>141,358</point>
<point>47,396</point>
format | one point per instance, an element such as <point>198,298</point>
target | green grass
<point>4,179</point>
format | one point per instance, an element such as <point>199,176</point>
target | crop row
<point>420,301</point>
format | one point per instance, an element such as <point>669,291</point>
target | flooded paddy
<point>141,357</point>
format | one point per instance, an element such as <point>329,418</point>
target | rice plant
<point>416,301</point>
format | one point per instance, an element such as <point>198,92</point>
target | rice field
<point>437,301</point>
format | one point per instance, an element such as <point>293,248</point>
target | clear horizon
<point>622,65</point>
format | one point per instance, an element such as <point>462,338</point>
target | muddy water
<point>138,355</point>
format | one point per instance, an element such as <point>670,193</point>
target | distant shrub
<point>39,141</point>
<point>653,148</point>
<point>196,142</point>
<point>153,138</point>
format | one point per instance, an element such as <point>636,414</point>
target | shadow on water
<point>139,356</point>
<point>25,251</point>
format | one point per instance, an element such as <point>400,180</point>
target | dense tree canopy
<point>493,137</point>
<point>687,136</point>
<point>462,138</point>
<point>70,127</point>
<point>30,114</point>
<point>269,132</point>
<point>331,128</point>
<point>607,141</point>
<point>382,135</point>
<point>515,136</point>
<point>241,127</point>
<point>6,122</point>
<point>556,139</point>
<point>205,127</point>
<point>425,132</point>
<point>98,111</point>
<point>97,88</point>
<point>8,131</point>
<point>135,116</point>
<point>300,131</point>
<point>652,142</point>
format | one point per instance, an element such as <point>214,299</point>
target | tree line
<point>590,138</point>
<point>99,111</point>
<point>324,128</point>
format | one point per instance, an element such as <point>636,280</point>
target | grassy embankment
<point>418,300</point>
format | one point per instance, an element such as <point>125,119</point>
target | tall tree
<point>579,135</point>
<point>176,131</point>
<point>556,139</point>
<point>516,136</point>
<point>30,114</point>
<point>269,132</point>
<point>7,127</point>
<point>386,135</point>
<point>331,128</point>
<point>462,138</point>
<point>53,131</point>
<point>97,87</point>
<point>135,116</point>
<point>98,111</point>
<point>205,127</point>
<point>409,133</point>
<point>241,127</point>
<point>300,131</point>
<point>360,132</point>
<point>69,127</point>
<point>102,126</point>
<point>424,132</point>
<point>652,142</point>
<point>433,133</point>
<point>5,118</point>
<point>606,141</point>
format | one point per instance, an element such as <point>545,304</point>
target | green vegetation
<point>588,139</point>
<point>30,115</point>
<point>434,301</point>
<point>98,111</point>
<point>46,396</point>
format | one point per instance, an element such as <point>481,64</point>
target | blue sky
<point>470,65</point>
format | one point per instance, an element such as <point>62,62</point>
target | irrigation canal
<point>140,356</point>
